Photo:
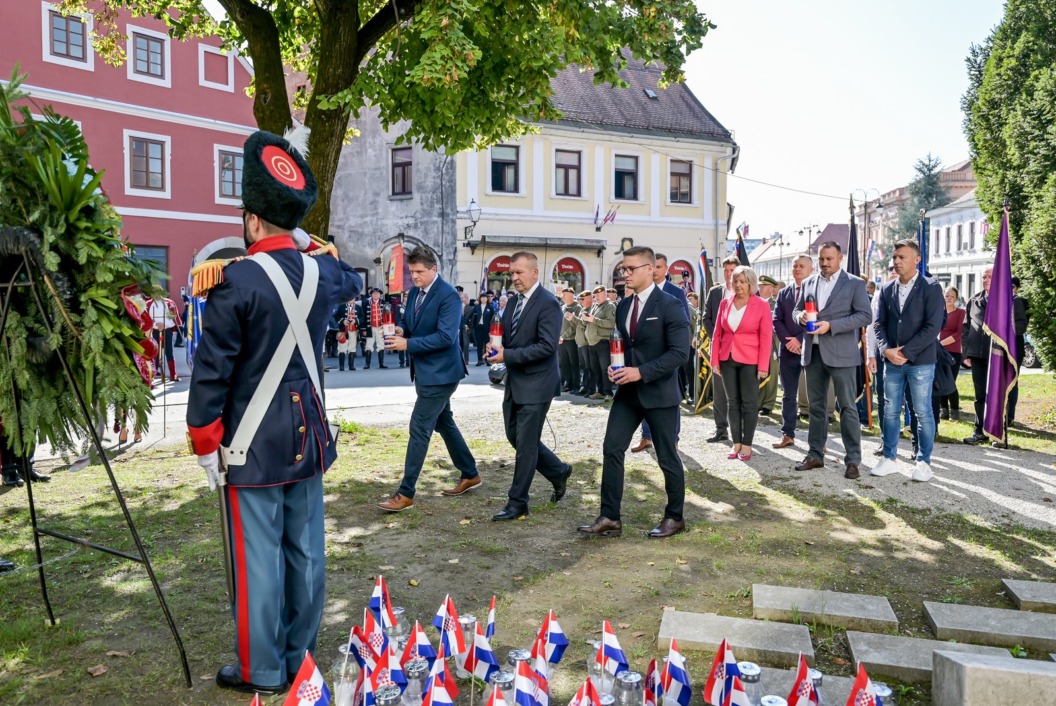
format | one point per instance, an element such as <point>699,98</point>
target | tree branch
<point>271,105</point>
<point>381,23</point>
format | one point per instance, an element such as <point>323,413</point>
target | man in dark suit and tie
<point>655,329</point>
<point>789,334</point>
<point>660,280</point>
<point>531,326</point>
<point>716,294</point>
<point>480,324</point>
<point>831,355</point>
<point>430,334</point>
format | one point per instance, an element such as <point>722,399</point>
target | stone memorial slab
<point>766,644</point>
<point>1037,596</point>
<point>778,682</point>
<point>907,659</point>
<point>962,679</point>
<point>991,626</point>
<point>843,610</point>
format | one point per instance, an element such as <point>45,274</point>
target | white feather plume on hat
<point>298,139</point>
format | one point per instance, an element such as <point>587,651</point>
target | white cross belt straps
<point>297,309</point>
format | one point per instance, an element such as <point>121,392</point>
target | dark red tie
<point>634,316</point>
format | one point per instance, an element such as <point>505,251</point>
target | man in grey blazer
<point>831,354</point>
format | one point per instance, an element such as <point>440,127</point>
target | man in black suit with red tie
<point>655,329</point>
<point>531,325</point>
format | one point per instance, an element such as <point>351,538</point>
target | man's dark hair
<point>641,251</point>
<point>908,243</point>
<point>459,289</point>
<point>421,256</point>
<point>731,260</point>
<point>661,256</point>
<point>830,244</point>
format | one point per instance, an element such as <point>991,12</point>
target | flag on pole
<point>418,646</point>
<point>862,691</point>
<point>490,632</point>
<point>586,696</point>
<point>388,670</point>
<point>720,678</point>
<point>554,637</point>
<point>674,680</point>
<point>480,659</point>
<point>195,310</point>
<point>742,249</point>
<point>542,672</point>
<point>653,691</point>
<point>360,649</point>
<point>998,323</point>
<point>437,694</point>
<point>738,696</point>
<point>803,692</point>
<point>364,690</point>
<point>373,632</point>
<point>256,701</point>
<point>381,605</point>
<point>442,671</point>
<point>496,698</point>
<point>922,241</point>
<point>446,621</point>
<point>524,688</point>
<point>610,655</point>
<point>308,687</point>
<point>597,213</point>
<point>854,267</point>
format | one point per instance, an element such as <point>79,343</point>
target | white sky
<point>834,95</point>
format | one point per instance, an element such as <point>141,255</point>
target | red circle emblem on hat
<point>280,165</point>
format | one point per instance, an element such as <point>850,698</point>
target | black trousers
<point>568,357</point>
<point>980,369</point>
<point>626,415</point>
<point>602,361</point>
<point>741,383</point>
<point>791,369</point>
<point>589,384</point>
<point>953,402</point>
<point>524,430</point>
<point>480,339</point>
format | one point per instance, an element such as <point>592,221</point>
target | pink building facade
<point>167,126</point>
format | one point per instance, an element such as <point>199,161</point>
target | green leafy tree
<point>465,73</point>
<point>1010,122</point>
<point>925,192</point>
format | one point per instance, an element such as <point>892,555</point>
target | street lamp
<point>473,211</point>
<point>865,223</point>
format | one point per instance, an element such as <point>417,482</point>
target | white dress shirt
<point>643,297</point>
<point>905,289</point>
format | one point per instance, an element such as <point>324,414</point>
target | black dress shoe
<point>560,485</point>
<point>37,477</point>
<point>974,439</point>
<point>228,678</point>
<point>602,527</point>
<point>509,513</point>
<point>6,566</point>
<point>667,528</point>
<point>763,411</point>
<point>719,436</point>
<point>12,479</point>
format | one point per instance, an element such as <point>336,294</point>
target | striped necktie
<point>418,302</point>
<point>517,315</point>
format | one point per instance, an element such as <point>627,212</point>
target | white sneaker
<point>922,473</point>
<point>885,468</point>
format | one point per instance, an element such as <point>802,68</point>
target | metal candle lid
<point>518,655</point>
<point>771,700</point>
<point>750,672</point>
<point>607,700</point>
<point>503,680</point>
<point>398,611</point>
<point>629,680</point>
<point>416,668</point>
<point>387,695</point>
<point>815,676</point>
<point>883,691</point>
<point>467,621</point>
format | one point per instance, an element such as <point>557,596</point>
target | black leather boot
<point>381,360</point>
<point>367,355</point>
<point>341,362</point>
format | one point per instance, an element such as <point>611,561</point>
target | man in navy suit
<point>431,335</point>
<point>909,316</point>
<point>660,280</point>
<point>531,325</point>
<point>789,334</point>
<point>655,329</point>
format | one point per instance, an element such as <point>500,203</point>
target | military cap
<point>277,184</point>
<point>767,279</point>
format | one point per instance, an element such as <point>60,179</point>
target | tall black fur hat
<point>277,184</point>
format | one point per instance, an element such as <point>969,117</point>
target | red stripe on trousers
<point>241,592</point>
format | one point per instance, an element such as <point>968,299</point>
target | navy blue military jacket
<point>243,323</point>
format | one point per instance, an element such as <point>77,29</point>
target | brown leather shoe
<point>642,446</point>
<point>667,528</point>
<point>397,503</point>
<point>462,486</point>
<point>810,463</point>
<point>785,442</point>
<point>602,527</point>
<point>852,471</point>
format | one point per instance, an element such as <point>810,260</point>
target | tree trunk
<point>337,70</point>
<point>271,105</point>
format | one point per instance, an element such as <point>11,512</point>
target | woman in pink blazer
<point>740,355</point>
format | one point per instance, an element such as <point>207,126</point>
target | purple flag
<point>998,323</point>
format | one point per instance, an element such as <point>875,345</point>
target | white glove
<point>211,464</point>
<point>301,239</point>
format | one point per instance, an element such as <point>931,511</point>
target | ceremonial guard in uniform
<point>256,416</point>
<point>166,323</point>
<point>373,333</point>
<point>768,391</point>
<point>348,338</point>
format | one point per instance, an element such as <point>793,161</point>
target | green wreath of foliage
<point>48,188</point>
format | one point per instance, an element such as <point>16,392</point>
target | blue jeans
<point>918,380</point>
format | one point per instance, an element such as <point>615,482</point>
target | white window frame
<point>46,8</point>
<point>229,87</point>
<point>130,62</point>
<point>166,165</point>
<point>583,177</point>
<point>640,186</point>
<point>522,160</point>
<point>694,182</point>
<point>217,198</point>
